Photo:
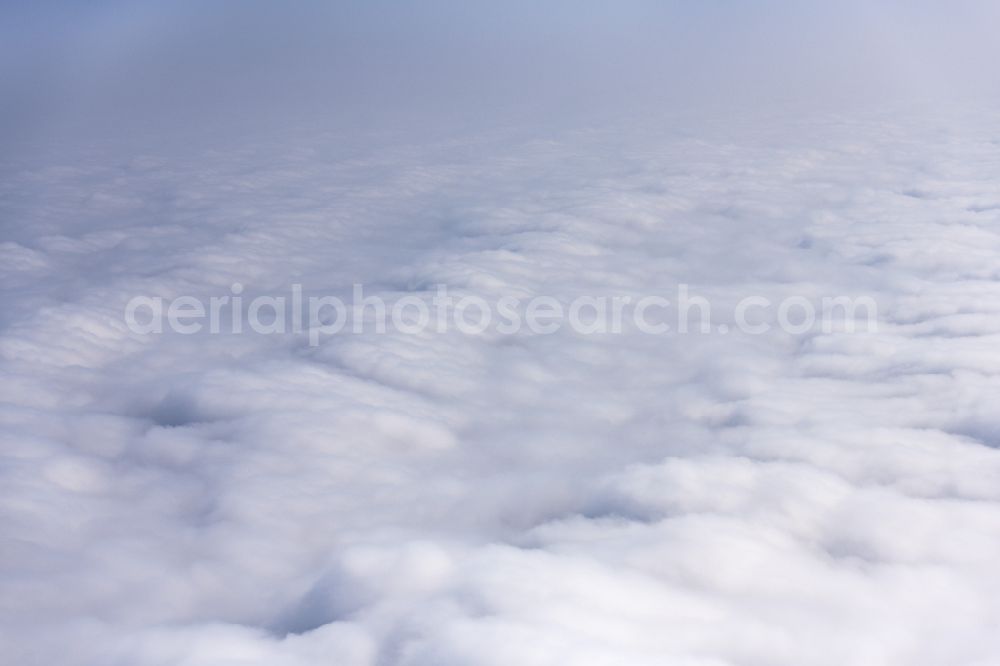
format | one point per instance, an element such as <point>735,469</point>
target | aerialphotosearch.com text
<point>440,311</point>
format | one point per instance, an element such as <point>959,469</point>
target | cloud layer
<point>437,499</point>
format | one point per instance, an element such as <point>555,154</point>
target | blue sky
<point>224,61</point>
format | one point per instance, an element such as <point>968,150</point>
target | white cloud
<point>442,498</point>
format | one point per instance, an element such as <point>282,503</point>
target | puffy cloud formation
<point>437,499</point>
<point>444,498</point>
